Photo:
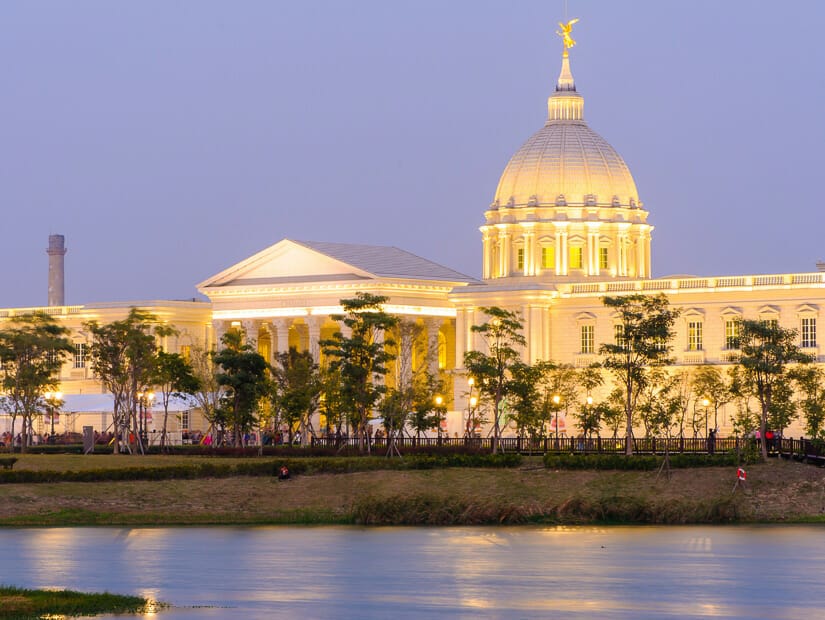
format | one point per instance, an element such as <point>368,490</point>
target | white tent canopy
<point>104,403</point>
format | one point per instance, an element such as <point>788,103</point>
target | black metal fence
<point>576,445</point>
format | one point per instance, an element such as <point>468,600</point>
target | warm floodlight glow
<point>556,399</point>
<point>705,402</point>
<point>438,400</point>
<point>471,382</point>
<point>473,401</point>
<point>589,400</point>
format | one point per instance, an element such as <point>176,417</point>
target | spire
<point>565,104</point>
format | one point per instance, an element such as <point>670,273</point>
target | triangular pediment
<point>285,262</point>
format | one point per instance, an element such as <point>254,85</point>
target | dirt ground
<point>775,491</point>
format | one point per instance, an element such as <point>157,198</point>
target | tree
<point>208,394</point>
<point>710,384</point>
<point>561,390</point>
<point>767,350</point>
<point>526,399</point>
<point>810,384</point>
<point>783,409</point>
<point>173,377</point>
<point>123,356</point>
<point>590,378</point>
<point>492,371</point>
<point>643,334</point>
<point>661,405</point>
<point>362,358</point>
<point>32,350</point>
<point>745,418</point>
<point>244,376</point>
<point>297,390</point>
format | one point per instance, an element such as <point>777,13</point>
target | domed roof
<point>565,162</point>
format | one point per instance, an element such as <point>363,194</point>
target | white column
<point>250,329</point>
<point>640,256</point>
<point>218,330</point>
<point>469,336</point>
<point>281,329</point>
<point>433,325</point>
<point>487,259</point>
<point>536,334</point>
<point>314,324</point>
<point>460,337</point>
<point>565,253</point>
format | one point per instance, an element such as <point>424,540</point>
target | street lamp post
<point>53,402</point>
<point>470,404</point>
<point>705,403</point>
<point>589,413</point>
<point>439,400</point>
<point>556,402</point>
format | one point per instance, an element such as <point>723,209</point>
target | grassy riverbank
<point>21,604</point>
<point>777,491</point>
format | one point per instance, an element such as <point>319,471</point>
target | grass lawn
<point>21,604</point>
<point>776,491</point>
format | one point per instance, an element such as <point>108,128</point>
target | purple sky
<point>168,140</point>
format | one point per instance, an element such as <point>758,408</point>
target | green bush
<point>640,462</point>
<point>225,469</point>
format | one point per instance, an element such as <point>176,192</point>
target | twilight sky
<point>168,140</point>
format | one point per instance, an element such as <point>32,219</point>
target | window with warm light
<point>588,339</point>
<point>520,259</point>
<point>808,332</point>
<point>576,258</point>
<point>603,263</point>
<point>695,336</point>
<point>80,354</point>
<point>731,334</point>
<point>548,257</point>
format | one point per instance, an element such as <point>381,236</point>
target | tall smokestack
<point>56,252</point>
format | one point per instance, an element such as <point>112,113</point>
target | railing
<point>574,445</point>
<point>685,284</point>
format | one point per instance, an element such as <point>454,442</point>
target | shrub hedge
<point>223,469</point>
<point>641,462</point>
<point>284,450</point>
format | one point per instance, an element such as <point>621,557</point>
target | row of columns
<point>498,251</point>
<point>278,328</point>
<point>536,329</point>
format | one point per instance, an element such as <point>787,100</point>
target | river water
<point>468,572</point>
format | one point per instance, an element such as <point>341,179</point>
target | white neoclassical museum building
<point>565,227</point>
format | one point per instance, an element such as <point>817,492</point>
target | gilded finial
<point>566,29</point>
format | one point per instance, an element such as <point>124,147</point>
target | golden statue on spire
<point>566,29</point>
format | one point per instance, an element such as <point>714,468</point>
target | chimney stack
<point>56,252</point>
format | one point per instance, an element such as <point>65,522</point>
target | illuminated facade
<point>565,228</point>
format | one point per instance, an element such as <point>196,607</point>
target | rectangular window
<point>772,323</point>
<point>520,259</point>
<point>618,335</point>
<point>695,336</point>
<point>185,420</point>
<point>80,355</point>
<point>588,339</point>
<point>576,258</point>
<point>808,332</point>
<point>731,334</point>
<point>548,257</point>
<point>602,258</point>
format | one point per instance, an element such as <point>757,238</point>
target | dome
<point>565,162</point>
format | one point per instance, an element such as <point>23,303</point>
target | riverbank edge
<point>776,492</point>
<point>428,510</point>
<point>24,603</point>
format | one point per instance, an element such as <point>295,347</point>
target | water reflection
<point>331,572</point>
